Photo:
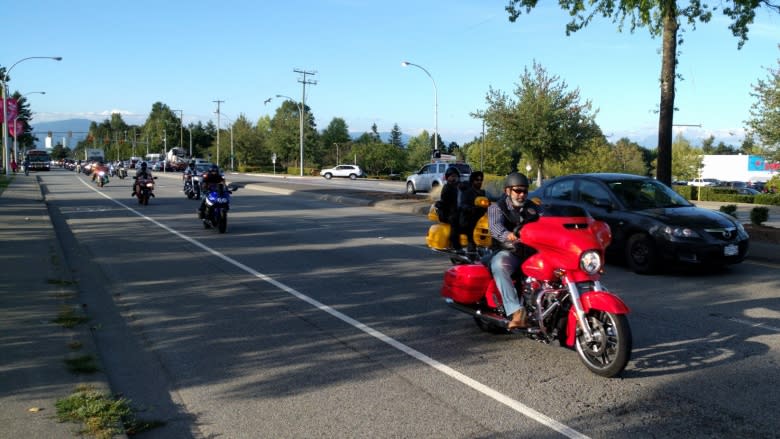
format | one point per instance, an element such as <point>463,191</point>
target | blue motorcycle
<point>217,206</point>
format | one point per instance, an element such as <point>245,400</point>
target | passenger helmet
<point>515,179</point>
<point>451,171</point>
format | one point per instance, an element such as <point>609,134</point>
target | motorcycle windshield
<point>564,232</point>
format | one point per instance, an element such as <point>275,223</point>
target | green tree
<point>546,123</point>
<point>284,139</point>
<point>764,123</point>
<point>497,157</point>
<point>335,141</point>
<point>379,158</point>
<point>396,137</point>
<point>418,151</point>
<point>686,160</point>
<point>660,17</point>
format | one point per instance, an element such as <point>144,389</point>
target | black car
<point>650,222</point>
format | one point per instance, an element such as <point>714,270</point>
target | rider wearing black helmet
<point>142,172</point>
<point>210,178</point>
<point>507,216</point>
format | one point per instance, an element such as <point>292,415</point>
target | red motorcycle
<point>561,291</point>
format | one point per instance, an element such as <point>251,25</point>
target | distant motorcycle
<point>191,186</point>
<point>121,172</point>
<point>217,206</point>
<point>145,189</point>
<point>102,178</point>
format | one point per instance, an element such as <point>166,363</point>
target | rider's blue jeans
<point>503,265</point>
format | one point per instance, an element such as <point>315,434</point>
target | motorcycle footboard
<point>475,310</point>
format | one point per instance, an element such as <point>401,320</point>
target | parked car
<point>431,176</point>
<point>351,171</point>
<point>650,222</point>
<point>747,191</point>
<point>704,182</point>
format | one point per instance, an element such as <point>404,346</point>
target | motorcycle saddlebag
<point>438,236</point>
<point>466,283</point>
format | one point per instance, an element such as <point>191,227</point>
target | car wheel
<point>328,176</point>
<point>410,188</point>
<point>352,176</point>
<point>641,254</point>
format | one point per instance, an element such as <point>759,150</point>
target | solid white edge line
<point>452,373</point>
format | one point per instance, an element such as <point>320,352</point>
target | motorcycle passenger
<point>507,216</point>
<point>448,205</point>
<point>210,179</point>
<point>141,173</point>
<point>469,213</point>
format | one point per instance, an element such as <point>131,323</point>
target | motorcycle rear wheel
<point>609,351</point>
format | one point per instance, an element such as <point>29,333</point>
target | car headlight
<point>680,232</point>
<point>590,262</point>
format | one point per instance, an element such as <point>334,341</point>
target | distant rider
<point>507,216</point>
<point>141,173</point>
<point>448,205</point>
<point>209,180</point>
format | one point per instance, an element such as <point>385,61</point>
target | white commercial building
<point>746,168</point>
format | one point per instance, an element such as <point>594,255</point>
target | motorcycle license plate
<point>731,250</point>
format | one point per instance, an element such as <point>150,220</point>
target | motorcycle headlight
<point>679,232</point>
<point>150,185</point>
<point>590,262</point>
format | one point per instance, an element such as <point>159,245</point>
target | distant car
<point>747,191</point>
<point>431,176</point>
<point>704,182</point>
<point>650,222</point>
<point>350,171</point>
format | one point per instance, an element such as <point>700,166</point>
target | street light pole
<point>232,169</point>
<point>435,104</point>
<point>4,92</point>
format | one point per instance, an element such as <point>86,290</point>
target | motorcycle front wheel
<point>607,354</point>
<point>222,221</point>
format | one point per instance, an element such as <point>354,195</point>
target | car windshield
<point>646,194</point>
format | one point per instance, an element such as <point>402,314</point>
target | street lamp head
<point>405,63</point>
<point>57,58</point>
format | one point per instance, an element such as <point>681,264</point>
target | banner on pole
<point>12,109</point>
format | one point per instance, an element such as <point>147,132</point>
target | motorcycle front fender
<point>598,300</point>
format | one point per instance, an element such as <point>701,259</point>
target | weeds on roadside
<point>68,318</point>
<point>100,414</point>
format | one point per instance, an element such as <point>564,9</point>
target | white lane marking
<point>443,368</point>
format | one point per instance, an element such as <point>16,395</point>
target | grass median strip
<point>102,416</point>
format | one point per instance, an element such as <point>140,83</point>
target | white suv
<point>432,176</point>
<point>351,171</point>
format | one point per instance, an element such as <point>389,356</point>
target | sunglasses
<point>519,190</point>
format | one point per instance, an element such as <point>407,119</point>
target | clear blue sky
<point>125,56</point>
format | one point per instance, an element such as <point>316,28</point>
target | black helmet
<point>451,171</point>
<point>143,165</point>
<point>515,179</point>
<point>192,163</point>
<point>214,169</point>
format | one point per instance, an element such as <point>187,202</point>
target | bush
<point>729,209</point>
<point>759,215</point>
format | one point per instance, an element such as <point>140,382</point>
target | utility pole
<point>218,103</point>
<point>304,81</point>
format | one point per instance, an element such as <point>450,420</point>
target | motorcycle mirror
<point>232,187</point>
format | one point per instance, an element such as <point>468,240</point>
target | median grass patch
<point>101,415</point>
<point>68,317</point>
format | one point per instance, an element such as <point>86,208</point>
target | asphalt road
<point>314,319</point>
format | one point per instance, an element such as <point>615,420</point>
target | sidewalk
<point>35,288</point>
